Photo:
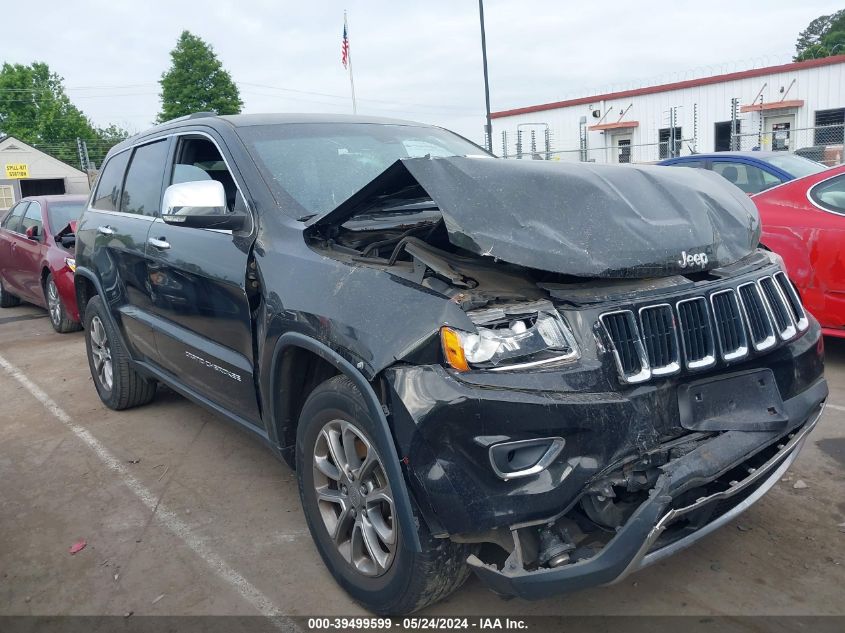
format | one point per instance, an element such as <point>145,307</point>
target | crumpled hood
<point>581,219</point>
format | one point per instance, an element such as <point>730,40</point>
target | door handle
<point>105,230</point>
<point>158,243</point>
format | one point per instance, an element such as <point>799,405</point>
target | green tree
<point>196,82</point>
<point>823,37</point>
<point>35,109</point>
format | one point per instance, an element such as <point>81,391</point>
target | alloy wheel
<point>54,303</point>
<point>101,352</point>
<point>354,498</point>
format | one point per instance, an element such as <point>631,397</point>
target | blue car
<point>751,171</point>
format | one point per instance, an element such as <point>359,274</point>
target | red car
<point>804,222</point>
<point>36,256</point>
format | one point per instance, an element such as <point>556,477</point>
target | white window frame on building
<point>7,197</point>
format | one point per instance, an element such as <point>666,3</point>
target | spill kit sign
<point>17,170</point>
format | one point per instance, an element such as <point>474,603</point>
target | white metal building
<point>26,171</point>
<point>792,107</point>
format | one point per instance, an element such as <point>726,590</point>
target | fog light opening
<point>523,458</point>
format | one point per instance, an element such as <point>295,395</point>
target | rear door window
<point>749,178</point>
<point>109,185</point>
<point>142,190</point>
<point>830,195</point>
<point>13,220</point>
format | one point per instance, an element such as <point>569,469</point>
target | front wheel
<point>118,384</point>
<point>59,318</point>
<point>7,300</point>
<point>349,504</point>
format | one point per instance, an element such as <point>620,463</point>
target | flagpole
<point>351,78</point>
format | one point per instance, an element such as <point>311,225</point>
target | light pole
<point>489,126</point>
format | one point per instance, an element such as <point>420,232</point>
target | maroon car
<point>36,256</point>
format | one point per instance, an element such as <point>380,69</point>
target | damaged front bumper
<point>661,526</point>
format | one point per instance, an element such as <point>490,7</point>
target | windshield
<point>796,165</point>
<point>313,167</point>
<point>62,213</point>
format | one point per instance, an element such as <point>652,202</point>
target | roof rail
<point>193,115</point>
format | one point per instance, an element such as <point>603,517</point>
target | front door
<point>198,290</point>
<point>622,148</point>
<point>778,131</point>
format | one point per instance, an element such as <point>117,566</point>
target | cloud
<point>418,61</point>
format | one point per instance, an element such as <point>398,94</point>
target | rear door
<point>198,288</point>
<point>123,207</point>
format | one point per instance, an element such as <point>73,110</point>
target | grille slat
<point>659,339</point>
<point>778,308</point>
<point>627,346</point>
<point>762,330</point>
<point>696,335</point>
<point>730,330</point>
<point>793,301</point>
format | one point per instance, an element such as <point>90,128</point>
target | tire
<point>118,384</point>
<point>59,318</point>
<point>7,300</point>
<point>409,580</point>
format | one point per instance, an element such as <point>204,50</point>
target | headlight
<point>70,262</point>
<point>509,340</point>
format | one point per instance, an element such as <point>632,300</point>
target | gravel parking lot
<point>184,514</point>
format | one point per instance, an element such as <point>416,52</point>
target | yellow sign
<point>17,170</point>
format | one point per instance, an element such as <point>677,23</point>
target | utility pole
<point>489,127</point>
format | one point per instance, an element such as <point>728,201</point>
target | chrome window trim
<point>790,331</point>
<point>675,365</point>
<point>645,371</point>
<point>771,340</point>
<point>742,350</point>
<point>803,322</point>
<point>710,359</point>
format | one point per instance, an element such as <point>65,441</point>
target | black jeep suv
<point>549,374</point>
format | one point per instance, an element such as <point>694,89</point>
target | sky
<point>411,60</point>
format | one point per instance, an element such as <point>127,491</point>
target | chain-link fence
<point>620,151</point>
<point>823,144</point>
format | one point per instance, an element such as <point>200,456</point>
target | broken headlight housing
<point>511,337</point>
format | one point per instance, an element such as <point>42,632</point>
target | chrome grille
<point>697,331</point>
<point>660,339</point>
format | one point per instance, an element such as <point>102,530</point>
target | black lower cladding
<point>444,424</point>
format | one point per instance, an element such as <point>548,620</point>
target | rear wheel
<point>62,323</point>
<point>118,384</point>
<point>7,300</point>
<point>349,503</point>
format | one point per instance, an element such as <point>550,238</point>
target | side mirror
<point>200,205</point>
<point>32,233</point>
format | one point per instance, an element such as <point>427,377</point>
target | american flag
<point>344,46</point>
